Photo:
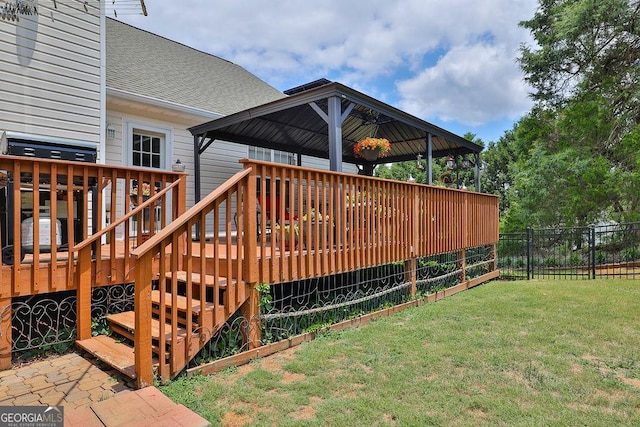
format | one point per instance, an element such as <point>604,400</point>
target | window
<point>147,150</point>
<point>268,155</point>
<point>147,146</point>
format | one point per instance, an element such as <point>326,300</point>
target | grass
<point>506,353</point>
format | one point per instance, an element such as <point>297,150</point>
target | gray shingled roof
<point>149,65</point>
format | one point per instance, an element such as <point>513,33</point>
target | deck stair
<point>208,317</point>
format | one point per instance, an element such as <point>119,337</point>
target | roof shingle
<point>149,65</point>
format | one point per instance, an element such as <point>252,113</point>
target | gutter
<point>129,96</point>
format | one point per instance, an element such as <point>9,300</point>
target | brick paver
<point>91,396</point>
<point>69,380</point>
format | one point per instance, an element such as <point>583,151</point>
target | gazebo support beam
<point>334,118</point>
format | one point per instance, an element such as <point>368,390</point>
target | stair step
<point>196,278</point>
<point>124,324</point>
<point>181,302</point>
<point>113,353</point>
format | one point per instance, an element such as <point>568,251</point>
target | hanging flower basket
<point>372,148</point>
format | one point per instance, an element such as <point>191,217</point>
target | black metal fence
<point>571,252</point>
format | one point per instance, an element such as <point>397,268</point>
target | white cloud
<point>363,42</point>
<point>471,84</point>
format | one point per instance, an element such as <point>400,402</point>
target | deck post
<point>410,266</point>
<point>250,309</point>
<point>493,256</point>
<point>5,334</point>
<point>410,275</point>
<point>84,288</point>
<point>462,264</point>
<point>142,307</point>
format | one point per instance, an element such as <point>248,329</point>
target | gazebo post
<point>335,134</point>
<point>429,159</point>
<point>476,159</point>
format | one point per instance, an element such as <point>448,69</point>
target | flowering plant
<point>312,216</point>
<point>381,144</point>
<point>146,189</point>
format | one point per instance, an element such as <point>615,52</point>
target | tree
<point>583,134</point>
<point>583,46</point>
<point>401,171</point>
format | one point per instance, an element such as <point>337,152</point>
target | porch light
<point>451,162</point>
<point>111,131</point>
<point>178,166</point>
<point>467,163</point>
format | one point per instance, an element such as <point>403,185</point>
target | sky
<point>452,63</point>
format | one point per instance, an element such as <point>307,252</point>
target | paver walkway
<point>69,380</point>
<point>91,396</point>
<point>146,407</point>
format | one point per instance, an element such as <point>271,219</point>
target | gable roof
<point>148,65</point>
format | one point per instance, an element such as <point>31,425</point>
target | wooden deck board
<point>126,320</point>
<point>181,302</point>
<point>112,352</point>
<point>196,279</point>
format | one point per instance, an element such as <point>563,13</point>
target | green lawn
<point>506,353</point>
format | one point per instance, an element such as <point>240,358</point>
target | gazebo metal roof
<point>292,124</point>
<point>325,119</point>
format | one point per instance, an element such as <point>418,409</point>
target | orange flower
<point>381,144</point>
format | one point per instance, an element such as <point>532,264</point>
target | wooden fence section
<point>48,206</point>
<point>315,222</point>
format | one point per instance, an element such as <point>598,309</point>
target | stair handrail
<point>146,204</point>
<point>189,214</point>
<point>143,259</point>
<point>83,277</point>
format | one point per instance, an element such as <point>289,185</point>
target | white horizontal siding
<point>50,72</point>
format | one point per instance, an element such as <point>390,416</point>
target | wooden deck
<point>334,223</point>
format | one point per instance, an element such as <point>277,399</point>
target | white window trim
<point>127,152</point>
<point>272,152</point>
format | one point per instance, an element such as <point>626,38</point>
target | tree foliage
<point>575,158</point>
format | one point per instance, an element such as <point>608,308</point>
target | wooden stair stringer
<point>223,313</point>
<point>120,355</point>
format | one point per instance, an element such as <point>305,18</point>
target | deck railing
<point>269,223</point>
<point>289,223</point>
<point>90,249</point>
<point>211,270</point>
<point>48,206</point>
<point>317,222</point>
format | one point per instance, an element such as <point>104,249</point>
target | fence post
<point>529,266</point>
<point>592,249</point>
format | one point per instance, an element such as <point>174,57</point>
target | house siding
<point>50,72</point>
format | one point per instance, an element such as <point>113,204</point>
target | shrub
<point>575,260</point>
<point>630,254</point>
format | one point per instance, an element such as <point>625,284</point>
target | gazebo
<point>326,119</point>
